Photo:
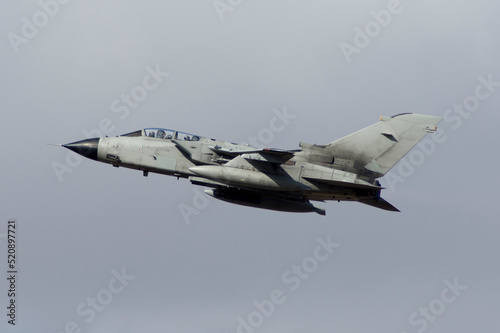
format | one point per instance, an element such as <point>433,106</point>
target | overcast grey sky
<point>336,66</point>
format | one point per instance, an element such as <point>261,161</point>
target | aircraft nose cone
<point>87,147</point>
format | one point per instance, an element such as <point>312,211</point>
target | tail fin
<point>375,149</point>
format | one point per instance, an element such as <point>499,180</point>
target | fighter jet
<point>346,169</point>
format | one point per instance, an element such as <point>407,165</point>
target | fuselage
<point>204,160</point>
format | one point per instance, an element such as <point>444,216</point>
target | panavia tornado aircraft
<point>346,169</point>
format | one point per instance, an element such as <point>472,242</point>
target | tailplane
<point>380,203</point>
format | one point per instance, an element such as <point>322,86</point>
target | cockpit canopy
<point>163,133</point>
<point>159,133</point>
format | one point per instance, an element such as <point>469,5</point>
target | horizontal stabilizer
<point>319,210</point>
<point>380,203</point>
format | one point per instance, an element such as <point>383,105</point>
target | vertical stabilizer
<point>377,148</point>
